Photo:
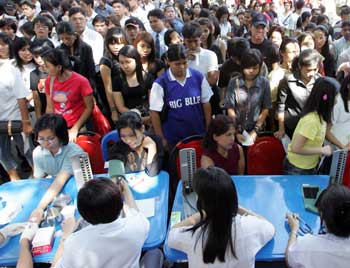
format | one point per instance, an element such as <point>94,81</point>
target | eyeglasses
<point>50,140</point>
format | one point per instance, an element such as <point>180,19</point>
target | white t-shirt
<point>205,61</point>
<point>319,251</point>
<point>341,121</point>
<point>95,40</point>
<point>251,235</point>
<point>111,245</point>
<point>293,21</point>
<point>12,88</point>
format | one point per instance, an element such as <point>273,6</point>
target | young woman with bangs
<point>144,44</point>
<point>115,40</point>
<point>131,85</point>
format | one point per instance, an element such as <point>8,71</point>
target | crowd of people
<point>161,72</point>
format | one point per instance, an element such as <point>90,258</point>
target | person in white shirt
<point>157,21</point>
<point>88,7</point>
<point>148,5</point>
<point>121,10</point>
<point>138,12</point>
<point>200,59</point>
<point>329,249</point>
<point>78,19</point>
<point>111,240</point>
<point>221,234</point>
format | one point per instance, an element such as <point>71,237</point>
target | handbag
<point>10,127</point>
<point>99,121</point>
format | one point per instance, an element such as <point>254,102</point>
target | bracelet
<point>113,109</point>
<point>26,120</point>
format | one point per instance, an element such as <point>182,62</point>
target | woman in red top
<point>220,148</point>
<point>70,94</point>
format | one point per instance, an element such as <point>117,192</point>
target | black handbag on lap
<point>11,127</point>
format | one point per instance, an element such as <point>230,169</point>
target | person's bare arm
<point>119,102</point>
<point>89,105</point>
<point>206,162</point>
<point>213,77</point>
<point>27,126</point>
<point>25,259</point>
<point>49,105</point>
<point>207,113</point>
<point>37,104</point>
<point>298,146</point>
<point>192,220</point>
<point>107,83</point>
<point>241,162</point>
<point>53,191</point>
<point>157,126</point>
<point>293,222</point>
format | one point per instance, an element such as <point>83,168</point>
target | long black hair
<point>345,92</point>
<point>334,207</point>
<point>20,43</point>
<point>217,197</point>
<point>131,52</point>
<point>322,98</point>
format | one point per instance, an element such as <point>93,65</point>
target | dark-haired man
<point>156,19</point>
<point>258,41</point>
<point>78,19</point>
<point>88,7</point>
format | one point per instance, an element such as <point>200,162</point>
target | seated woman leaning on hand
<point>221,234</point>
<point>52,157</point>
<point>220,148</point>
<point>324,250</point>
<point>137,150</point>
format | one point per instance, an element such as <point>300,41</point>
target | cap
<point>133,22</point>
<point>9,6</point>
<point>259,19</point>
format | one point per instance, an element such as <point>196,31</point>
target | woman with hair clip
<point>307,147</point>
<point>131,86</point>
<point>115,40</point>
<point>221,234</point>
<point>220,148</point>
<point>329,249</point>
<point>136,149</point>
<point>79,52</point>
<point>67,92</point>
<point>52,157</point>
<point>144,44</point>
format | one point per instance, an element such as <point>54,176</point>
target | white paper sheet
<point>146,206</point>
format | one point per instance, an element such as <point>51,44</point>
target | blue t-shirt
<point>47,164</point>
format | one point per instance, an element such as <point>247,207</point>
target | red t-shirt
<point>67,96</point>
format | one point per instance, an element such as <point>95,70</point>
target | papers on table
<point>146,206</point>
<point>10,211</point>
<point>247,139</point>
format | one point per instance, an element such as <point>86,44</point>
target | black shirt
<point>268,50</point>
<point>37,83</point>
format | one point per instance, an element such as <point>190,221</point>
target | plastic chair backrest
<point>89,141</point>
<point>189,142</point>
<point>346,176</point>
<point>107,140</point>
<point>265,157</point>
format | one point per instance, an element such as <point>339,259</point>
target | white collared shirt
<point>141,14</point>
<point>205,61</point>
<point>163,47</point>
<point>95,40</point>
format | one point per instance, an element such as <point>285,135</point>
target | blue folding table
<point>29,192</point>
<point>272,197</point>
